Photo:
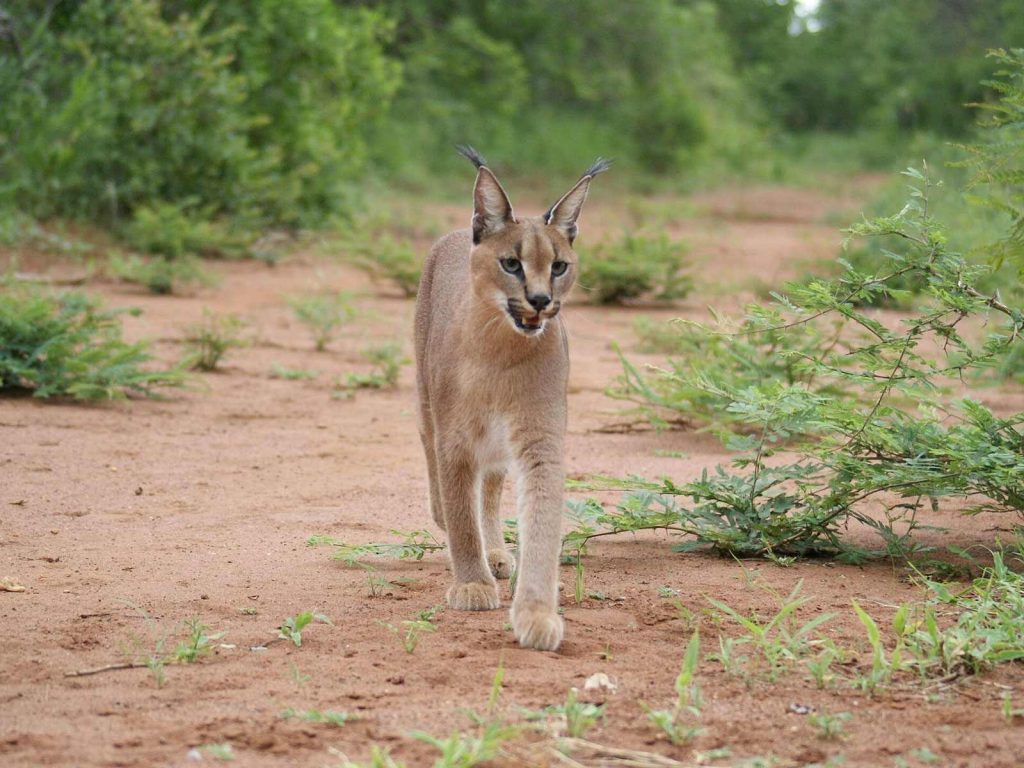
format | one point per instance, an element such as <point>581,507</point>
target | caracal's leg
<point>474,588</point>
<point>433,483</point>
<point>498,558</point>
<point>535,619</point>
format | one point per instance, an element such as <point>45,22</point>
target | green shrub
<point>387,361</point>
<point>258,113</point>
<point>632,267</point>
<point>864,420</point>
<point>175,230</point>
<point>387,258</point>
<point>160,274</point>
<point>65,345</point>
<point>208,341</point>
<point>323,314</point>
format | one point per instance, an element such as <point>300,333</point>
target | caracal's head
<point>524,267</point>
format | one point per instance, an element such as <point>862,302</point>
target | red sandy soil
<point>122,520</point>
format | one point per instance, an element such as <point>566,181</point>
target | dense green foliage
<point>862,419</point>
<point>110,107</point>
<point>273,112</point>
<point>65,345</point>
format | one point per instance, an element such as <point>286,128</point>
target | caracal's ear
<point>564,213</point>
<point>492,211</point>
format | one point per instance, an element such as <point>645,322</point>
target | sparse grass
<point>159,274</point>
<point>411,629</point>
<point>461,750</point>
<point>65,345</point>
<point>208,341</point>
<point>635,266</point>
<point>291,628</point>
<point>151,651</point>
<point>327,716</point>
<point>278,371</point>
<point>389,259</point>
<point>777,642</point>
<point>831,727</point>
<point>413,545</point>
<point>323,314</point>
<point>200,642</point>
<point>387,361</point>
<point>689,700</point>
<point>572,718</point>
<point>222,752</point>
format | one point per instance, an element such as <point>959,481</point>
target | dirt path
<point>124,520</point>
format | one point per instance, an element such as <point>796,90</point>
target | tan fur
<point>492,398</point>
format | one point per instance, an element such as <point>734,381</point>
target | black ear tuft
<point>598,166</point>
<point>471,154</point>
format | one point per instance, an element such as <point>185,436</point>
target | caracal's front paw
<point>473,596</point>
<point>537,626</point>
<point>500,562</point>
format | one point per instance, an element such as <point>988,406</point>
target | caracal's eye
<point>558,268</point>
<point>512,266</point>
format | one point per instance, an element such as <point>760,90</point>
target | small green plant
<point>831,727</point>
<point>573,717</point>
<point>179,230</point>
<point>65,345</point>
<point>223,752</point>
<point>688,699</point>
<point>323,314</point>
<point>411,629</point>
<point>159,274</point>
<point>380,757</point>
<point>635,266</point>
<point>462,750</point>
<point>779,641</point>
<point>327,716</point>
<point>199,643</point>
<point>387,258</point>
<point>1010,713</point>
<point>883,666</point>
<point>412,546</point>
<point>386,361</point>
<point>207,342</point>
<point>278,371</point>
<point>291,628</point>
<point>820,666</point>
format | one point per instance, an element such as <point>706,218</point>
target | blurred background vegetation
<point>211,118</point>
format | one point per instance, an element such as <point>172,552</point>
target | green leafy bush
<point>160,274</point>
<point>208,341</point>
<point>258,113</point>
<point>323,314</point>
<point>862,420</point>
<point>632,267</point>
<point>65,345</point>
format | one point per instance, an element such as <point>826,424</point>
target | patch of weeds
<point>66,345</point>
<point>327,716</point>
<point>389,259</point>
<point>208,341</point>
<point>223,752</point>
<point>777,642</point>
<point>200,642</point>
<point>1010,713</point>
<point>152,652</point>
<point>831,727</point>
<point>573,717</point>
<point>278,371</point>
<point>291,628</point>
<point>411,629</point>
<point>179,230</point>
<point>989,626</point>
<point>462,750</point>
<point>386,361</point>
<point>412,546</point>
<point>820,666</point>
<point>297,676</point>
<point>633,267</point>
<point>380,757</point>
<point>689,700</point>
<point>159,274</point>
<point>323,314</point>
